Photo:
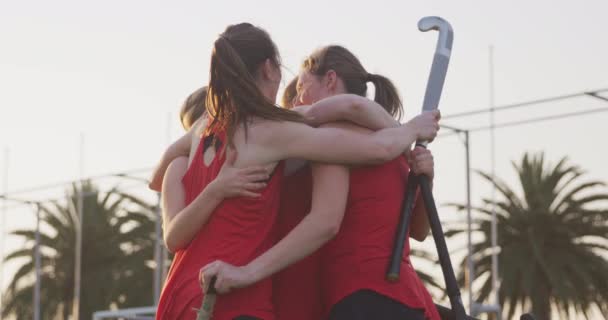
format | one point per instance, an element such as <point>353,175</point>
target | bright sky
<point>118,71</point>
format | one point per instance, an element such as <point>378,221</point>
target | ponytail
<point>386,95</point>
<point>234,97</point>
<point>354,76</point>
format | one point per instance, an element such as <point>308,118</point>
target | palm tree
<point>118,238</point>
<point>552,241</point>
<point>428,280</point>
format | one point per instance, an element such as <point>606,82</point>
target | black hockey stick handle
<point>442,250</point>
<point>394,267</point>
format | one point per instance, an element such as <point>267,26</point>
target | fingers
<point>207,273</point>
<point>420,153</point>
<point>260,177</point>
<point>254,170</point>
<point>423,168</point>
<point>437,114</point>
<point>254,185</point>
<point>408,156</point>
<point>249,194</point>
<point>216,276</point>
<point>422,162</point>
<point>222,285</point>
<point>424,159</point>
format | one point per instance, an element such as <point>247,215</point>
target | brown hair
<point>193,108</point>
<point>289,94</point>
<point>355,77</point>
<point>234,98</point>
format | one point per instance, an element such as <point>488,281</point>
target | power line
<point>540,119</point>
<point>59,184</point>
<point>521,122</point>
<point>593,93</point>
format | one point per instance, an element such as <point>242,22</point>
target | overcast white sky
<point>117,71</point>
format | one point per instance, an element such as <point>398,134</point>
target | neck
<point>338,90</point>
<point>340,87</point>
<point>266,91</point>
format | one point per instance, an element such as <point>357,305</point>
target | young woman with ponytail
<point>353,264</point>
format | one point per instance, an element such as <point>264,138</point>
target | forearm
<point>309,235</point>
<point>181,147</point>
<point>420,225</point>
<point>394,141</point>
<point>359,110</point>
<point>183,227</point>
<point>341,143</point>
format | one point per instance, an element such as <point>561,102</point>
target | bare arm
<point>180,222</point>
<point>421,162</point>
<point>184,146</point>
<point>420,226</point>
<point>330,192</point>
<point>334,145</point>
<point>329,196</point>
<point>349,107</point>
<point>181,147</point>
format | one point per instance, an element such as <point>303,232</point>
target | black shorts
<point>370,305</point>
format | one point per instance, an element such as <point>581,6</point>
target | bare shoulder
<point>257,143</point>
<point>263,130</point>
<point>269,134</point>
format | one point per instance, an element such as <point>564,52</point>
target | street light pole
<point>3,230</point>
<point>80,224</point>
<point>37,265</point>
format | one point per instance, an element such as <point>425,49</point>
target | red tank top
<point>239,230</point>
<point>296,289</point>
<point>358,256</point>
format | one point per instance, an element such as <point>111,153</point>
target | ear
<point>267,69</point>
<point>331,79</point>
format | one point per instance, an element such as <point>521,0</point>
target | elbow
<point>155,185</point>
<point>169,245</point>
<point>419,235</point>
<point>331,231</point>
<point>354,108</point>
<point>385,152</point>
<point>172,244</point>
<point>331,227</point>
<point>156,181</point>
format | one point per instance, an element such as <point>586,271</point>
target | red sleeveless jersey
<point>297,289</point>
<point>239,230</point>
<point>357,258</point>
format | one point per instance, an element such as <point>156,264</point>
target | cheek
<point>306,98</point>
<point>297,101</point>
<point>312,95</point>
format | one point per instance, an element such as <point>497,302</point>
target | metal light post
<point>37,265</point>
